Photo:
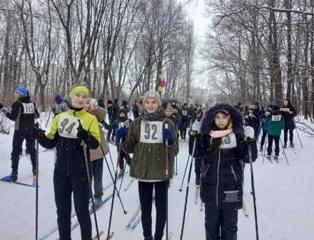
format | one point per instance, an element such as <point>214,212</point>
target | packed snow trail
<point>283,193</point>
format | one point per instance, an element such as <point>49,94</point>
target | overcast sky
<point>196,10</point>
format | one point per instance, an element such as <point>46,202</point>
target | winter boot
<point>276,158</point>
<point>10,178</point>
<point>121,173</point>
<point>268,157</point>
<point>197,181</point>
<point>291,145</point>
<point>98,202</point>
<point>285,145</point>
<point>261,149</point>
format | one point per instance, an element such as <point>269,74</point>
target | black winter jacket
<point>222,173</point>
<point>23,112</point>
<point>288,113</point>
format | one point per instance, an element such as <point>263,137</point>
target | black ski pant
<point>146,200</point>
<point>64,186</point>
<point>220,224</point>
<point>97,170</point>
<point>197,169</point>
<point>276,139</point>
<point>18,139</point>
<point>126,157</point>
<point>285,134</point>
<point>263,139</point>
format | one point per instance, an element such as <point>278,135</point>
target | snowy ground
<point>284,194</point>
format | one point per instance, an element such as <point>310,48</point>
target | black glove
<point>1,106</point>
<point>37,131</point>
<point>82,134</point>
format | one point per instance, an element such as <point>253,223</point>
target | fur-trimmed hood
<point>235,115</point>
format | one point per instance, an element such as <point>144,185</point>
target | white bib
<point>228,141</point>
<point>67,126</point>
<point>28,108</point>
<point>276,118</point>
<point>151,132</point>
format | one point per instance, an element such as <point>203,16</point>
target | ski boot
<point>10,178</point>
<point>98,202</point>
<point>121,173</point>
<point>268,157</point>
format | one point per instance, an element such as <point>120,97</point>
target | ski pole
<point>299,137</point>
<point>284,152</point>
<point>109,234</point>
<point>264,150</point>
<point>187,189</point>
<point>124,166</point>
<point>48,118</point>
<point>167,173</point>
<point>118,193</point>
<point>253,190</point>
<point>110,156</point>
<point>89,180</point>
<point>186,166</point>
<point>176,159</point>
<point>36,182</point>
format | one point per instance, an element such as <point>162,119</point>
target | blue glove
<point>167,136</point>
<point>121,133</point>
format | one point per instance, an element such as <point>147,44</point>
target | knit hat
<point>79,89</point>
<point>123,110</point>
<point>22,91</point>
<point>152,94</point>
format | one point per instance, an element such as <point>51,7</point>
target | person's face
<point>87,104</point>
<point>122,116</point>
<point>285,102</point>
<point>168,112</point>
<point>17,96</point>
<point>78,100</point>
<point>151,105</point>
<point>222,120</point>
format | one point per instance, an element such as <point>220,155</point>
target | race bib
<point>184,112</point>
<point>276,118</point>
<point>151,132</point>
<point>67,126</point>
<point>28,108</point>
<point>228,141</point>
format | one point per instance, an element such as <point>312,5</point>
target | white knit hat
<point>152,94</point>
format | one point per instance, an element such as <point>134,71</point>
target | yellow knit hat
<point>79,89</point>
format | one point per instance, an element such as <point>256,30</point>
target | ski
<point>136,222</point>
<point>96,237</point>
<point>133,217</point>
<point>129,185</point>
<point>21,183</point>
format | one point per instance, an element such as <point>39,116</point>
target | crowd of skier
<point>222,139</point>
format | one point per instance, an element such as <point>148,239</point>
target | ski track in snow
<point>284,196</point>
